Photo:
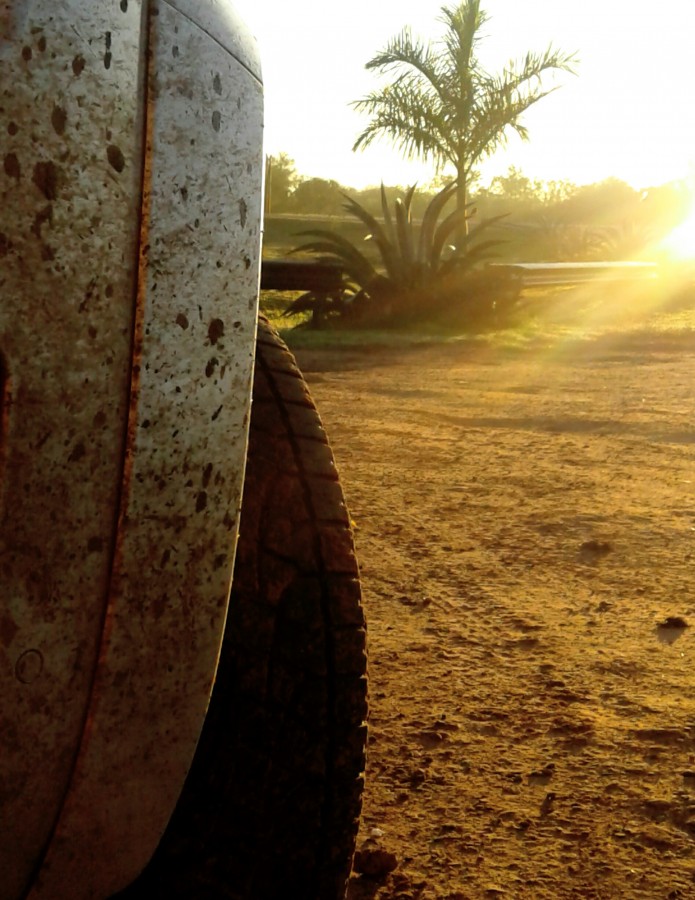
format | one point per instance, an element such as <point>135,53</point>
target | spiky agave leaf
<point>404,230</point>
<point>355,263</point>
<point>430,219</point>
<point>453,223</point>
<point>408,198</point>
<point>387,250</point>
<point>475,233</point>
<point>386,213</point>
<point>463,262</point>
<point>306,303</point>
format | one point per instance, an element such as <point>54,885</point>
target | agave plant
<point>420,268</point>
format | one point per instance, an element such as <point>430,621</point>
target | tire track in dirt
<point>524,524</point>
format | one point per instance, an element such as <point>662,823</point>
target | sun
<point>680,243</point>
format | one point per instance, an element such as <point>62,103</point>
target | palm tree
<point>442,105</point>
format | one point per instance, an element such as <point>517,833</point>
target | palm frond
<point>441,105</point>
<point>411,59</point>
<point>408,118</point>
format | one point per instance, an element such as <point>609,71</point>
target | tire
<point>271,806</point>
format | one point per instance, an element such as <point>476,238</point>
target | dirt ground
<point>525,523</point>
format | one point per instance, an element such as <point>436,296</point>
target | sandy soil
<point>525,522</point>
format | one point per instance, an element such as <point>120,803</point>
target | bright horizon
<point>627,114</point>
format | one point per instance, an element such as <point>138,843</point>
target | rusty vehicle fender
<point>130,223</point>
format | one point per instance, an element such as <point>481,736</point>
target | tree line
<point>608,203</point>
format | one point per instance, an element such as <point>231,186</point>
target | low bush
<point>421,274</point>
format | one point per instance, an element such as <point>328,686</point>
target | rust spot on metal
<point>26,54</point>
<point>88,296</point>
<point>201,501</point>
<point>78,64</point>
<point>58,119</point>
<point>29,666</point>
<point>12,128</point>
<point>95,545</point>
<point>77,453</point>
<point>215,330</point>
<point>45,177</point>
<point>41,44</point>
<point>115,157</point>
<point>207,474</point>
<point>211,366</point>
<point>12,166</point>
<point>5,244</point>
<point>8,630</point>
<point>42,216</point>
<point>182,321</point>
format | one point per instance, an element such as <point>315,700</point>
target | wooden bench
<point>319,277</point>
<point>521,275</point>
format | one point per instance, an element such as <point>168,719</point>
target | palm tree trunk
<point>461,201</point>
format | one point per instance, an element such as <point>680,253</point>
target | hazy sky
<point>629,113</point>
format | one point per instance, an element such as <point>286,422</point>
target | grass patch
<point>551,315</point>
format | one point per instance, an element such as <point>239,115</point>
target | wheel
<point>271,806</point>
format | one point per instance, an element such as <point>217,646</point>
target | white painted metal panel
<point>70,151</point>
<point>185,457</point>
<point>222,22</point>
<point>141,605</point>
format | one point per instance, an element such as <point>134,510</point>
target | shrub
<point>421,274</point>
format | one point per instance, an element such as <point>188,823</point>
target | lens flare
<point>680,243</point>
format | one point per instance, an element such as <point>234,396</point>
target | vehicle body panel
<point>127,323</point>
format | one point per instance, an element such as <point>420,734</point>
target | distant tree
<point>318,195</point>
<point>555,191</point>
<point>442,105</point>
<point>281,180</point>
<point>523,197</point>
<point>371,198</point>
<point>514,185</point>
<point>605,202</point>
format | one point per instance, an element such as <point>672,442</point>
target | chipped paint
<point>116,571</point>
